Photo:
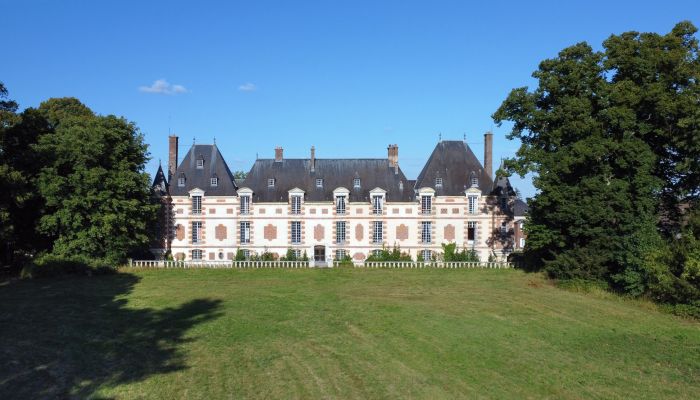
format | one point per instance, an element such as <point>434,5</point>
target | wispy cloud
<point>161,86</point>
<point>248,87</point>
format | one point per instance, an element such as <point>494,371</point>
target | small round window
<point>221,255</point>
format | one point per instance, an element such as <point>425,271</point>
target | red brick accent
<point>262,211</point>
<point>324,211</point>
<point>212,211</point>
<point>220,232</point>
<point>270,232</point>
<point>229,211</point>
<point>179,232</point>
<point>455,211</point>
<point>359,232</point>
<point>358,256</point>
<point>212,256</point>
<point>394,210</point>
<point>319,232</point>
<point>409,211</point>
<point>312,211</point>
<point>278,211</point>
<point>229,256</point>
<point>402,232</point>
<point>443,211</point>
<point>449,232</point>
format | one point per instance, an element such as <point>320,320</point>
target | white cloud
<point>161,86</point>
<point>248,87</point>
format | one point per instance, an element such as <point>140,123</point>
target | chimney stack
<point>313,159</point>
<point>278,154</point>
<point>393,155</point>
<point>172,156</point>
<point>488,153</point>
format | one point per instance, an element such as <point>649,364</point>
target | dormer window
<point>214,181</point>
<point>270,182</point>
<point>474,181</point>
<point>438,183</point>
<point>319,183</point>
<point>181,180</point>
<point>356,183</point>
<point>296,204</point>
<point>377,205</point>
<point>340,205</point>
<point>426,204</point>
<point>200,162</point>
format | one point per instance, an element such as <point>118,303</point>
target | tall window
<point>196,204</point>
<point>340,205</point>
<point>340,232</point>
<point>196,231</point>
<point>356,183</point>
<point>296,205</point>
<point>197,254</point>
<point>245,232</point>
<point>377,204</point>
<point>426,204</point>
<point>378,234</point>
<point>471,231</point>
<point>425,255</point>
<point>472,204</point>
<point>296,232</point>
<point>319,182</point>
<point>426,232</point>
<point>522,243</point>
<point>245,204</point>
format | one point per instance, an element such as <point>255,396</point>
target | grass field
<point>209,334</point>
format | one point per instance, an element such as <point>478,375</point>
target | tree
<point>594,212</point>
<point>240,175</point>
<point>97,195</point>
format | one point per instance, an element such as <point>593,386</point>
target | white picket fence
<point>217,264</point>
<point>306,264</point>
<point>435,264</point>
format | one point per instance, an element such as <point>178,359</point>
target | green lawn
<point>210,334</point>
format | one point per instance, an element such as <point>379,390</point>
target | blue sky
<point>348,77</point>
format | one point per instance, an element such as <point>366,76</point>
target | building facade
<point>332,208</point>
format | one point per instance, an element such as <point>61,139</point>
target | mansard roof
<point>520,208</point>
<point>455,163</point>
<point>297,173</point>
<point>214,166</point>
<point>160,184</point>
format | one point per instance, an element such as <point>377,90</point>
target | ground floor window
<point>221,255</point>
<point>471,232</point>
<point>197,254</point>
<point>522,242</point>
<point>425,255</point>
<point>340,254</point>
<point>296,232</point>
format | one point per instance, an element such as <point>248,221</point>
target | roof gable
<point>455,163</point>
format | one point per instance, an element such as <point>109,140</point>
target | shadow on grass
<point>66,338</point>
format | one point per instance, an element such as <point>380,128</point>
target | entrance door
<point>320,253</point>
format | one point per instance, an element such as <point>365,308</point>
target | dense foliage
<point>74,185</point>
<point>450,253</point>
<point>613,137</point>
<point>395,254</point>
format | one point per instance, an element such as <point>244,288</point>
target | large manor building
<point>332,208</point>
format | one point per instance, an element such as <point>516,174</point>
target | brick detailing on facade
<point>180,232</point>
<point>449,232</point>
<point>319,232</point>
<point>270,232</point>
<point>359,232</point>
<point>402,232</point>
<point>220,232</point>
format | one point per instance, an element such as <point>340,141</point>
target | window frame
<point>295,204</point>
<point>340,234</point>
<point>377,204</point>
<point>245,204</point>
<point>340,205</point>
<point>423,200</point>
<point>271,182</point>
<point>200,254</point>
<point>196,203</point>
<point>471,227</point>
<point>356,183</point>
<point>377,234</point>
<point>438,183</point>
<point>472,204</point>
<point>214,181</point>
<point>319,183</point>
<point>426,235</point>
<point>244,232</point>
<point>295,232</point>
<point>199,163</point>
<point>196,232</point>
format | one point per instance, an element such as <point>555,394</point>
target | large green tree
<point>612,137</point>
<point>97,195</point>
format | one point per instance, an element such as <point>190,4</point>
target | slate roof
<point>214,166</point>
<point>520,208</point>
<point>455,163</point>
<point>160,184</point>
<point>296,173</point>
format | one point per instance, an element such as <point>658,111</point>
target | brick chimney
<point>313,159</point>
<point>393,155</point>
<point>488,153</point>
<point>172,156</point>
<point>278,154</point>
